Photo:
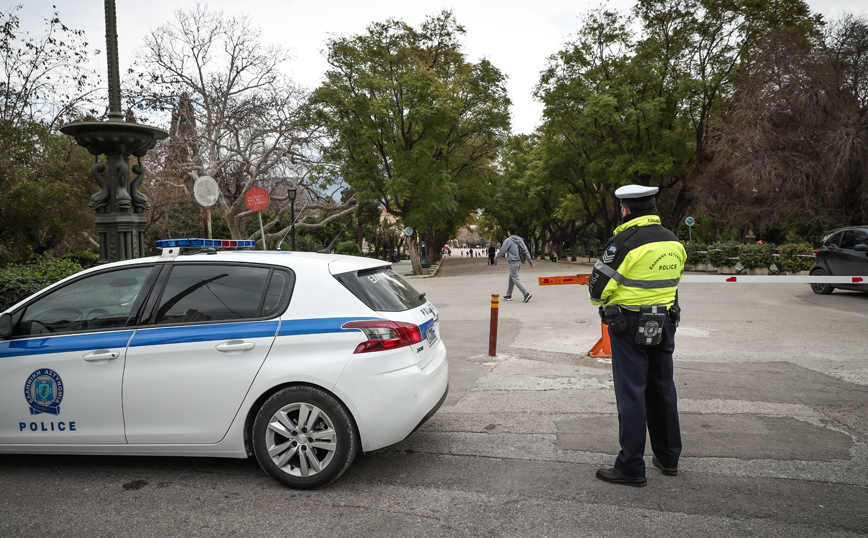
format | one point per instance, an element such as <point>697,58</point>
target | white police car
<point>300,359</point>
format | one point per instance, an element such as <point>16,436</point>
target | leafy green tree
<point>44,190</point>
<point>414,125</point>
<point>636,107</point>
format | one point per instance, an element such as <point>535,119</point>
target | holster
<point>614,318</point>
<point>651,319</point>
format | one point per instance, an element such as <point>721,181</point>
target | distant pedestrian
<point>515,252</point>
<point>491,252</point>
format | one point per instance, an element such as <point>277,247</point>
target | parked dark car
<point>844,253</point>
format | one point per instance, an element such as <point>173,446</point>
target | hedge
<point>17,282</point>
<point>795,257</point>
<point>723,253</point>
<point>759,255</point>
<point>697,252</point>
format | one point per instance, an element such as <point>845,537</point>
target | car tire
<point>309,455</point>
<point>821,289</point>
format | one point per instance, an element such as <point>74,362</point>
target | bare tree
<point>793,149</point>
<point>244,116</point>
<point>43,78</point>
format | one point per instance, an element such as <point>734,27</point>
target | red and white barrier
<point>776,279</point>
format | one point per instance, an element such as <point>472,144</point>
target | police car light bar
<point>190,242</point>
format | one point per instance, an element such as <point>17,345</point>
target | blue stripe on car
<point>203,333</point>
<point>154,336</point>
<point>295,327</point>
<point>61,344</point>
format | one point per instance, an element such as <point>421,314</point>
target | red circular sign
<point>256,199</point>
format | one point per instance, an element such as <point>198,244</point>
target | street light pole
<point>291,193</point>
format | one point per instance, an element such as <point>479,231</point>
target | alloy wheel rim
<point>301,439</point>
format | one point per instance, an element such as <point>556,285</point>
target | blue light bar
<point>191,242</point>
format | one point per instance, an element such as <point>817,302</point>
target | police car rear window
<point>382,289</point>
<point>202,293</point>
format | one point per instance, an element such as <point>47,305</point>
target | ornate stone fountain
<point>119,205</point>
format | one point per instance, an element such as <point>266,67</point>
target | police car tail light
<point>383,335</point>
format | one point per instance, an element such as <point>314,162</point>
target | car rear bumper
<point>389,406</point>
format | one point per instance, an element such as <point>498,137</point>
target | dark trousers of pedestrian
<point>645,393</point>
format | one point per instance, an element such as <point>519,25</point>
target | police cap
<point>635,192</point>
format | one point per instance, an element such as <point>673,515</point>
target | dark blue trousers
<point>645,393</point>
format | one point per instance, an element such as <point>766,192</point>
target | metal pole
<point>492,334</point>
<point>292,217</point>
<point>262,230</point>
<point>111,38</point>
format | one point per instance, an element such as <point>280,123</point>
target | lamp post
<point>119,205</point>
<point>291,193</point>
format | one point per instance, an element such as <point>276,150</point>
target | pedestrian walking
<point>635,283</point>
<point>491,252</point>
<point>515,252</point>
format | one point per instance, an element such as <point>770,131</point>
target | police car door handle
<point>234,345</point>
<point>101,355</point>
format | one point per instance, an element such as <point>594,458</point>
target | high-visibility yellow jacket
<point>641,265</point>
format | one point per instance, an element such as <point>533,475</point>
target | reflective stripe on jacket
<point>641,265</point>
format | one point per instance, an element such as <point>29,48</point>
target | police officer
<point>635,283</point>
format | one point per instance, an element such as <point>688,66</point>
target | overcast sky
<point>517,37</point>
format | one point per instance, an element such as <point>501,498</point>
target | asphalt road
<point>773,394</point>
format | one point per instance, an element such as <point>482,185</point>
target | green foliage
<point>304,242</point>
<point>723,253</point>
<point>413,124</point>
<point>83,258</point>
<point>795,257</point>
<point>20,281</point>
<point>45,188</point>
<point>348,247</point>
<point>754,256</point>
<point>697,252</point>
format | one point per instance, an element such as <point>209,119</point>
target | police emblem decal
<point>44,391</point>
<point>651,329</point>
<point>609,254</point>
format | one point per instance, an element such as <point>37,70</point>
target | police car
<point>301,359</point>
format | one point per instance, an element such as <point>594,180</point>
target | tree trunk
<point>415,260</point>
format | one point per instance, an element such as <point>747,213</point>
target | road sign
<point>408,231</point>
<point>206,191</point>
<point>690,221</point>
<point>256,199</point>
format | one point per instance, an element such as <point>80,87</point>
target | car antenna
<point>329,248</point>
<point>291,226</point>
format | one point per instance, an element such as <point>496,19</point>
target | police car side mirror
<point>5,325</point>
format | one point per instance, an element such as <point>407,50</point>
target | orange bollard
<point>492,334</point>
<point>603,348</point>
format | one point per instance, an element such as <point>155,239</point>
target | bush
<point>697,252</point>
<point>20,281</point>
<point>795,257</point>
<point>349,247</point>
<point>84,258</point>
<point>722,253</point>
<point>761,255</point>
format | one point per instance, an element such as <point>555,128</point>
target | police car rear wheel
<point>819,288</point>
<point>304,438</point>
